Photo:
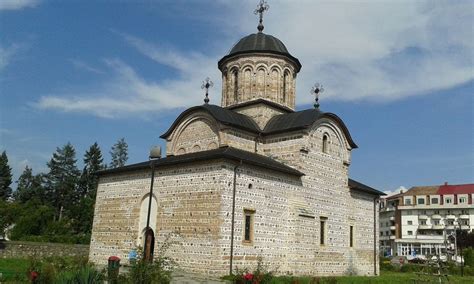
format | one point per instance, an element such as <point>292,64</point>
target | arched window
<point>325,143</point>
<point>285,85</point>
<point>235,77</point>
<point>142,228</point>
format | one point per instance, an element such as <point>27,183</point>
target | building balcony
<point>436,216</point>
<point>438,227</point>
<point>392,228</point>
<point>392,237</point>
<point>422,217</point>
<point>424,227</point>
<point>465,227</point>
<point>450,216</point>
<point>449,227</point>
<point>463,216</point>
<point>392,218</point>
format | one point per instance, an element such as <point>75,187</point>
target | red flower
<point>33,275</point>
<point>248,276</point>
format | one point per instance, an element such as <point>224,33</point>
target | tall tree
<point>93,162</point>
<point>29,186</point>
<point>61,181</point>
<point>5,177</point>
<point>119,153</point>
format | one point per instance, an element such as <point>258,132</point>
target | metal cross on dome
<point>316,90</point>
<point>261,7</point>
<point>206,84</point>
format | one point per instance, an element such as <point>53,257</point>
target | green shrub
<point>468,256</point>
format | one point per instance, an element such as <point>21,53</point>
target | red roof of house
<point>456,189</point>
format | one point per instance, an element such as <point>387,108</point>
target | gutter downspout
<point>233,218</point>
<point>375,235</point>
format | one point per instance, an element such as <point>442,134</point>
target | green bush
<point>468,256</point>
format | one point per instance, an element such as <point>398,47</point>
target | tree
<point>5,177</point>
<point>61,181</point>
<point>84,210</point>
<point>119,153</point>
<point>93,162</point>
<point>29,186</point>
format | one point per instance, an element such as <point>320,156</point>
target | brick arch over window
<point>144,201</point>
<point>195,133</point>
<point>328,131</point>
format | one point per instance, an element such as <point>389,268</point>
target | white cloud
<point>128,93</point>
<point>377,51</point>
<point>7,53</point>
<point>395,191</point>
<point>18,4</point>
<point>79,64</point>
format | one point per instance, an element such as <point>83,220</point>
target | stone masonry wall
<point>265,76</point>
<point>20,249</point>
<point>188,215</point>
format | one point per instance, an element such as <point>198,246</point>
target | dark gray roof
<point>260,43</point>
<point>261,101</point>
<point>303,119</point>
<point>224,116</point>
<point>228,153</point>
<point>278,124</point>
<point>355,185</point>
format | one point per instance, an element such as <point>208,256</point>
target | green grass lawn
<point>385,277</point>
<point>13,268</point>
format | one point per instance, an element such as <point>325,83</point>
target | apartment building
<point>418,221</point>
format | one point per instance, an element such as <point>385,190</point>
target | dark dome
<point>260,43</point>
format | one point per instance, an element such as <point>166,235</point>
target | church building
<point>247,179</point>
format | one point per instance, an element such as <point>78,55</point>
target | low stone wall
<point>17,249</point>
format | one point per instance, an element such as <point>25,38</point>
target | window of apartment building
<point>410,233</point>
<point>449,200</point>
<point>464,212</point>
<point>322,230</point>
<point>462,200</point>
<point>248,225</point>
<point>434,200</point>
<point>436,222</point>
<point>449,222</point>
<point>422,222</point>
<point>351,236</point>
<point>409,222</point>
<point>421,201</point>
<point>381,234</point>
<point>463,222</point>
<point>436,212</point>
<point>408,201</point>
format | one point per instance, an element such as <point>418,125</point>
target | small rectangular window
<point>322,232</point>
<point>410,233</point>
<point>421,201</point>
<point>410,222</point>
<point>448,201</point>
<point>422,222</point>
<point>434,200</point>
<point>462,200</point>
<point>248,225</point>
<point>351,236</point>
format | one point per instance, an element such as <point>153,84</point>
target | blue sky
<point>400,74</point>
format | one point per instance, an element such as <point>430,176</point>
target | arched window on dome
<point>286,82</point>
<point>235,78</point>
<point>325,143</point>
